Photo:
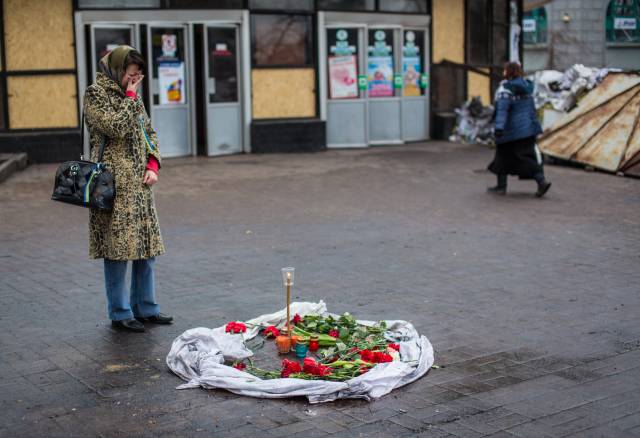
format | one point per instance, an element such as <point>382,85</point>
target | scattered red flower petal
<point>334,333</point>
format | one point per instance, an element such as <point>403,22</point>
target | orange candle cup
<point>284,344</point>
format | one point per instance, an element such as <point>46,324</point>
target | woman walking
<point>130,231</point>
<point>516,128</point>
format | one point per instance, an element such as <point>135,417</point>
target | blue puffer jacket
<point>515,113</point>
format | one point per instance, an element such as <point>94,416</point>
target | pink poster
<point>343,77</point>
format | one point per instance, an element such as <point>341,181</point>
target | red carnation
<point>395,347</point>
<point>309,365</point>
<point>367,355</point>
<point>239,366</point>
<point>334,333</point>
<point>289,367</point>
<point>271,331</point>
<point>296,319</point>
<point>235,327</point>
<point>381,357</point>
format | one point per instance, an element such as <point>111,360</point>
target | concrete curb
<point>10,163</point>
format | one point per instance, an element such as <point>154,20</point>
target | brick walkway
<point>532,305</point>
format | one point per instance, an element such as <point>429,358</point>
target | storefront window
<point>414,80</point>
<point>419,6</point>
<point>380,67</point>
<point>282,40</point>
<point>223,76</point>
<point>534,26</point>
<point>342,59</point>
<point>285,5</point>
<point>622,23</point>
<point>347,5</point>
<point>118,4</point>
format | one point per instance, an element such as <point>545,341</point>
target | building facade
<point>596,33</point>
<point>234,76</point>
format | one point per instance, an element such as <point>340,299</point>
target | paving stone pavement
<point>532,305</point>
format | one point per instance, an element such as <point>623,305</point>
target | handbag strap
<point>102,145</point>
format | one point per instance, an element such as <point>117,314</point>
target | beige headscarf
<point>112,64</point>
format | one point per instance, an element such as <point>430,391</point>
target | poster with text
<point>171,82</point>
<point>380,75</point>
<point>411,75</point>
<point>343,77</point>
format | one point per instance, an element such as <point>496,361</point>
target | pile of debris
<point>562,90</point>
<point>474,123</point>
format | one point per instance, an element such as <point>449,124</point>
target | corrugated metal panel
<point>606,149</point>
<point>612,85</point>
<point>565,142</point>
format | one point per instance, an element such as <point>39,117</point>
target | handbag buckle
<point>74,169</point>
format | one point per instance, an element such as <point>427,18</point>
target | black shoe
<point>542,189</point>
<point>497,190</point>
<point>160,318</point>
<point>128,324</point>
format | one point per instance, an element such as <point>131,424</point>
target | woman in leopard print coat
<point>130,231</point>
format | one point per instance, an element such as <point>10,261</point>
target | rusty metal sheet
<point>606,149</point>
<point>612,85</point>
<point>633,145</point>
<point>565,142</point>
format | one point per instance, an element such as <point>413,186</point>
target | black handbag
<point>85,183</point>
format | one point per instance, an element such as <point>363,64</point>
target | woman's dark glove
<point>498,133</point>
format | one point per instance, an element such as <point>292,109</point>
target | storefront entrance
<point>193,89</point>
<point>374,78</point>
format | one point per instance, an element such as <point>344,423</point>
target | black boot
<point>160,318</point>
<point>130,325</point>
<point>501,187</point>
<point>543,185</point>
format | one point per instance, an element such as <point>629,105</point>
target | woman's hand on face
<point>134,83</point>
<point>150,178</point>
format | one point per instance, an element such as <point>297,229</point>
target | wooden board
<point>283,93</point>
<point>479,85</point>
<point>42,101</point>
<point>448,30</point>
<point>39,34</point>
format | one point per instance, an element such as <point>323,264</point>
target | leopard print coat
<point>131,230</point>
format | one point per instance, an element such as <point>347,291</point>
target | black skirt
<point>517,157</point>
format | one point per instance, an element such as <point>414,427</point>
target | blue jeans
<point>140,300</point>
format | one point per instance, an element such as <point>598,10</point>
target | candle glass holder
<point>301,349</point>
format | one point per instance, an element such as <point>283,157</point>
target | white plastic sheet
<point>198,356</point>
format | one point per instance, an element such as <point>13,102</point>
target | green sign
<point>362,82</point>
<point>397,80</point>
<point>424,80</point>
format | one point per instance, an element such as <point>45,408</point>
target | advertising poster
<point>169,45</point>
<point>343,77</point>
<point>411,75</point>
<point>380,75</point>
<point>171,82</point>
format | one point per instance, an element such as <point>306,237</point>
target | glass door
<point>222,90</point>
<point>346,88</point>
<point>384,85</point>
<point>415,101</point>
<point>169,82</point>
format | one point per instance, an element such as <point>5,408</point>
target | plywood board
<point>479,85</point>
<point>283,93</point>
<point>606,149</point>
<point>448,30</point>
<point>38,34</point>
<point>633,146</point>
<point>42,101</point>
<point>565,142</point>
<point>612,85</point>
